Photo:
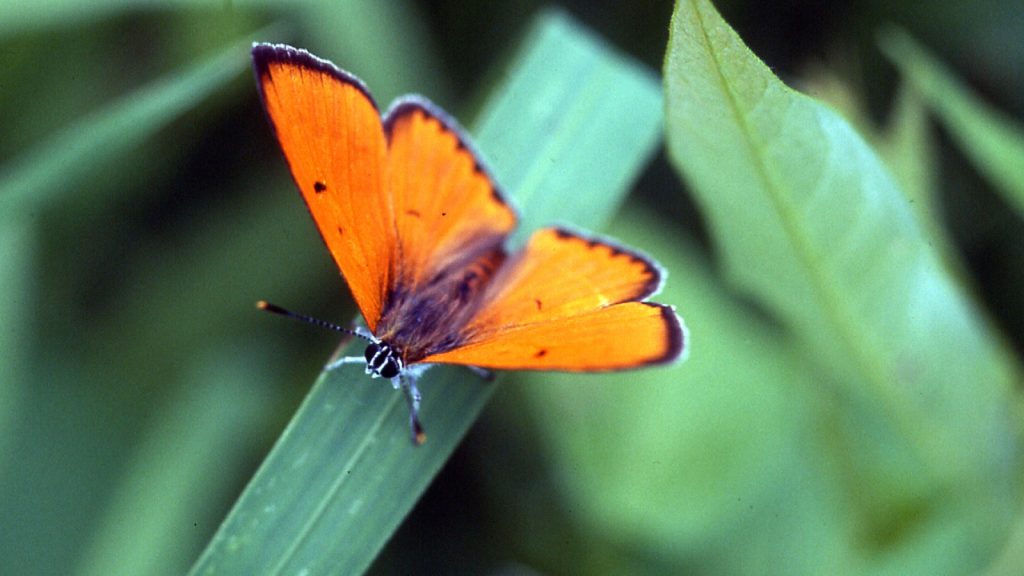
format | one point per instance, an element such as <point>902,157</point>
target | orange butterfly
<point>417,226</point>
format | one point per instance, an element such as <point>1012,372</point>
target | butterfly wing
<point>448,210</point>
<point>331,133</point>
<point>569,302</point>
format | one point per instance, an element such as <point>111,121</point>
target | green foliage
<point>98,143</point>
<point>993,141</point>
<point>851,403</point>
<point>814,228</point>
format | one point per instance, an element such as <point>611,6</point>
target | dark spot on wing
<point>538,303</point>
<point>413,213</point>
<point>444,213</point>
<point>540,353</point>
<point>341,231</point>
<point>319,186</point>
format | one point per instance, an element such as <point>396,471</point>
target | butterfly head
<point>383,360</point>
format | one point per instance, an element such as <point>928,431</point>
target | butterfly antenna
<point>264,305</point>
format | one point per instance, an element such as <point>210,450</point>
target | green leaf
<point>812,226</point>
<point>905,144</point>
<point>560,160</point>
<point>103,139</point>
<point>908,149</point>
<point>993,141</point>
<point>344,473</point>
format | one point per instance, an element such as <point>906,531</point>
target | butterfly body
<point>418,226</point>
<point>429,318</point>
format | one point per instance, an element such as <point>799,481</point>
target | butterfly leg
<point>360,332</point>
<point>344,360</point>
<point>412,398</point>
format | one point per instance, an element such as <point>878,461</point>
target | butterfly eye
<point>371,351</point>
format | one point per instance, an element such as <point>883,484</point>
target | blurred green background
<point>145,208</point>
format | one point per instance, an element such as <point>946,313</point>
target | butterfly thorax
<point>429,318</point>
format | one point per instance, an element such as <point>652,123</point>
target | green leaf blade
<point>814,227</point>
<point>102,140</point>
<point>616,110</point>
<point>318,501</point>
<point>345,473</point>
<point>993,141</point>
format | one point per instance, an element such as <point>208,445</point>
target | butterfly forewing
<point>627,335</point>
<point>448,211</point>
<point>332,136</point>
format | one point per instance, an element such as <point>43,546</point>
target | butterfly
<point>417,225</point>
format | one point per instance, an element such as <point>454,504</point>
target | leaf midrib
<point>832,303</point>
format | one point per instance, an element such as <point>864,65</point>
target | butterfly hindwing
<point>570,302</point>
<point>332,136</point>
<point>622,336</point>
